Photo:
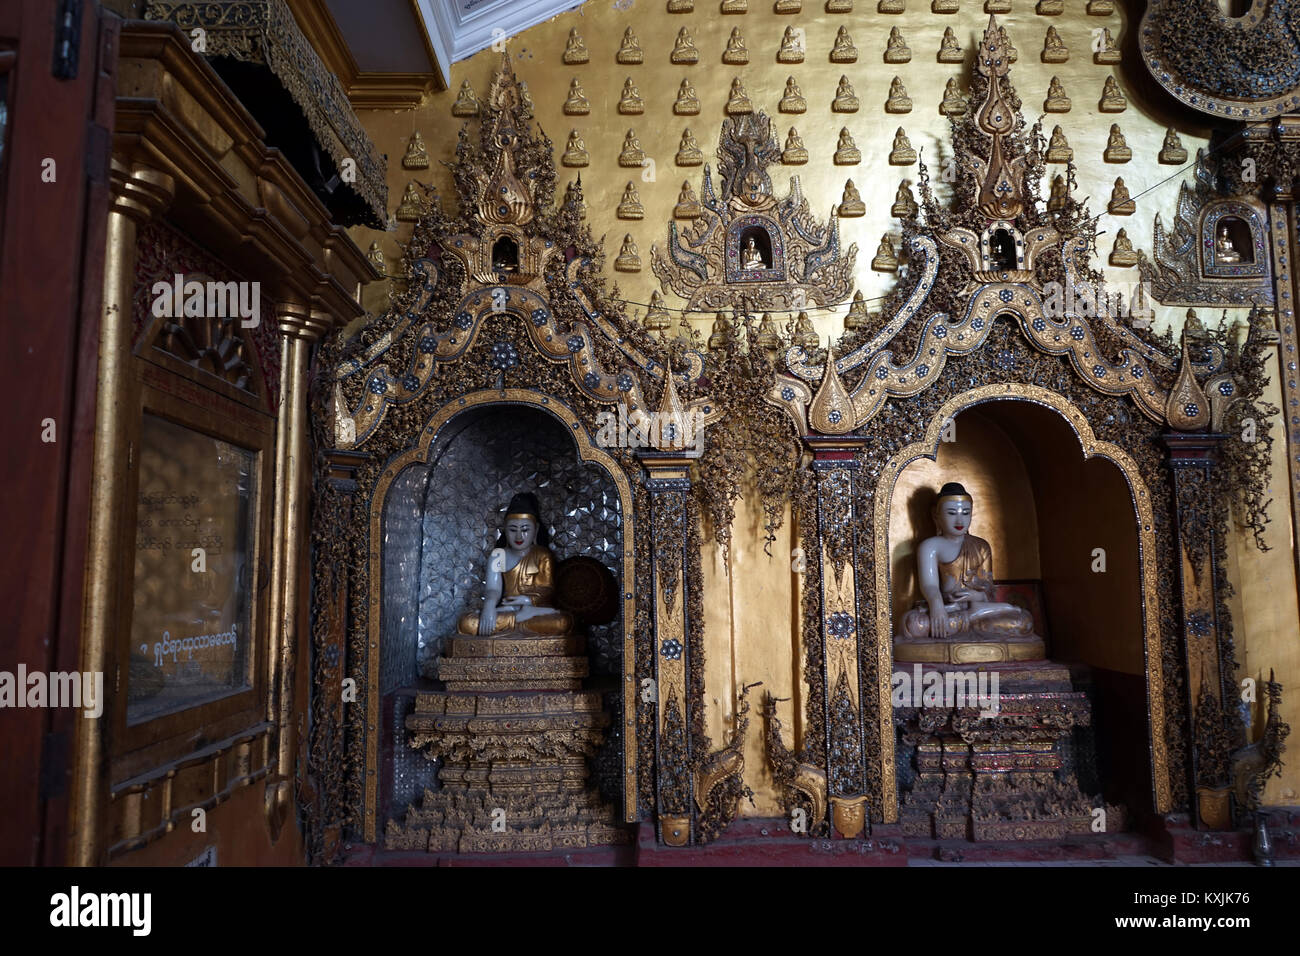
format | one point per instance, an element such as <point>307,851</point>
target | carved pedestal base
<point>996,773</point>
<point>514,751</point>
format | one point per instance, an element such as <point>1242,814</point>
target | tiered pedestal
<point>514,731</point>
<point>997,777</point>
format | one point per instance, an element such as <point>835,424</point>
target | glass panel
<point>190,630</point>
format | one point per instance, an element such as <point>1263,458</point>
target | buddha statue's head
<point>952,510</point>
<point>522,527</point>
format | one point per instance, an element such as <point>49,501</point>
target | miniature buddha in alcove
<point>1223,248</point>
<point>520,580</point>
<point>957,613</point>
<point>750,257</point>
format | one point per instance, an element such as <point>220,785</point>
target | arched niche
<point>1051,516</point>
<point>439,520</point>
<point>1232,241</point>
<point>505,254</point>
<point>766,235</point>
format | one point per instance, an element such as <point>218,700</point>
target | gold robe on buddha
<point>534,578</point>
<point>971,570</point>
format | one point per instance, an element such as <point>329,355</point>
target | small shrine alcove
<point>442,515</point>
<point>1063,532</point>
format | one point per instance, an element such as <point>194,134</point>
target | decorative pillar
<point>668,479</point>
<point>139,193</point>
<point>299,326</point>
<point>1209,678</point>
<point>836,466</point>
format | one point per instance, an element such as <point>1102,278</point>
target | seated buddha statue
<point>1224,250</point>
<point>520,580</point>
<point>958,621</point>
<point>750,257</point>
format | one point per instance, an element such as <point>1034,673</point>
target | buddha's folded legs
<point>545,621</point>
<point>987,620</point>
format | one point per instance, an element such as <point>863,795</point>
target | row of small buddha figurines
<point>956,619</point>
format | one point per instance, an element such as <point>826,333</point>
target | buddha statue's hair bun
<point>524,503</point>
<point>954,489</point>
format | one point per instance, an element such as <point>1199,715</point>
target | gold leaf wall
<point>752,612</point>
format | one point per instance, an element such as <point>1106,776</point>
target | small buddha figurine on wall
<point>957,620</point>
<point>1224,250</point>
<point>520,580</point>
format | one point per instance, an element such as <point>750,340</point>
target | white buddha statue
<point>750,257</point>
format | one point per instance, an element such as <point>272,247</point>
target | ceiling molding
<point>455,33</point>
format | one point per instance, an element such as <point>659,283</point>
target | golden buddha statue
<point>1117,148</point>
<point>846,151</point>
<point>904,206</point>
<point>631,154</point>
<point>896,48</point>
<point>1123,255</point>
<point>1054,48</point>
<point>1058,150</point>
<point>720,337</point>
<point>1112,100</point>
<point>630,102</point>
<point>629,256</point>
<point>1121,203</point>
<point>791,50</point>
<point>376,257</point>
<point>736,54</point>
<point>858,317</point>
<point>417,154</point>
<point>1172,151</point>
<point>577,103</point>
<point>688,103</point>
<point>1106,52</point>
<point>629,207</point>
<point>575,151</point>
<point>750,257</point>
<point>949,49</point>
<point>466,102</point>
<point>851,204</point>
<point>902,153</point>
<point>794,154</point>
<point>805,335</point>
<point>793,100</point>
<point>408,210</point>
<point>688,150</point>
<point>846,100</point>
<point>843,50</point>
<point>738,101</point>
<point>957,621</point>
<point>688,206</point>
<point>684,50</point>
<point>575,51</point>
<point>629,49</point>
<point>767,337</point>
<point>520,580</point>
<point>885,260</point>
<point>898,100</point>
<point>1057,101</point>
<point>953,104</point>
<point>1224,250</point>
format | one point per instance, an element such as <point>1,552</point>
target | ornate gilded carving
<point>719,779</point>
<point>1187,409</point>
<point>748,245</point>
<point>802,784</point>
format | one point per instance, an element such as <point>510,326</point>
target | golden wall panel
<point>751,616</point>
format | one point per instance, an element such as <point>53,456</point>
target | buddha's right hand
<point>938,620</point>
<point>487,619</point>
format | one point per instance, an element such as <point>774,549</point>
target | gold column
<point>139,193</point>
<point>298,326</point>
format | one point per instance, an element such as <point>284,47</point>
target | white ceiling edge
<point>455,35</point>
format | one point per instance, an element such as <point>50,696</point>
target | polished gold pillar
<point>139,193</point>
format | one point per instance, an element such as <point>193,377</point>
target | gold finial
<point>1187,409</point>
